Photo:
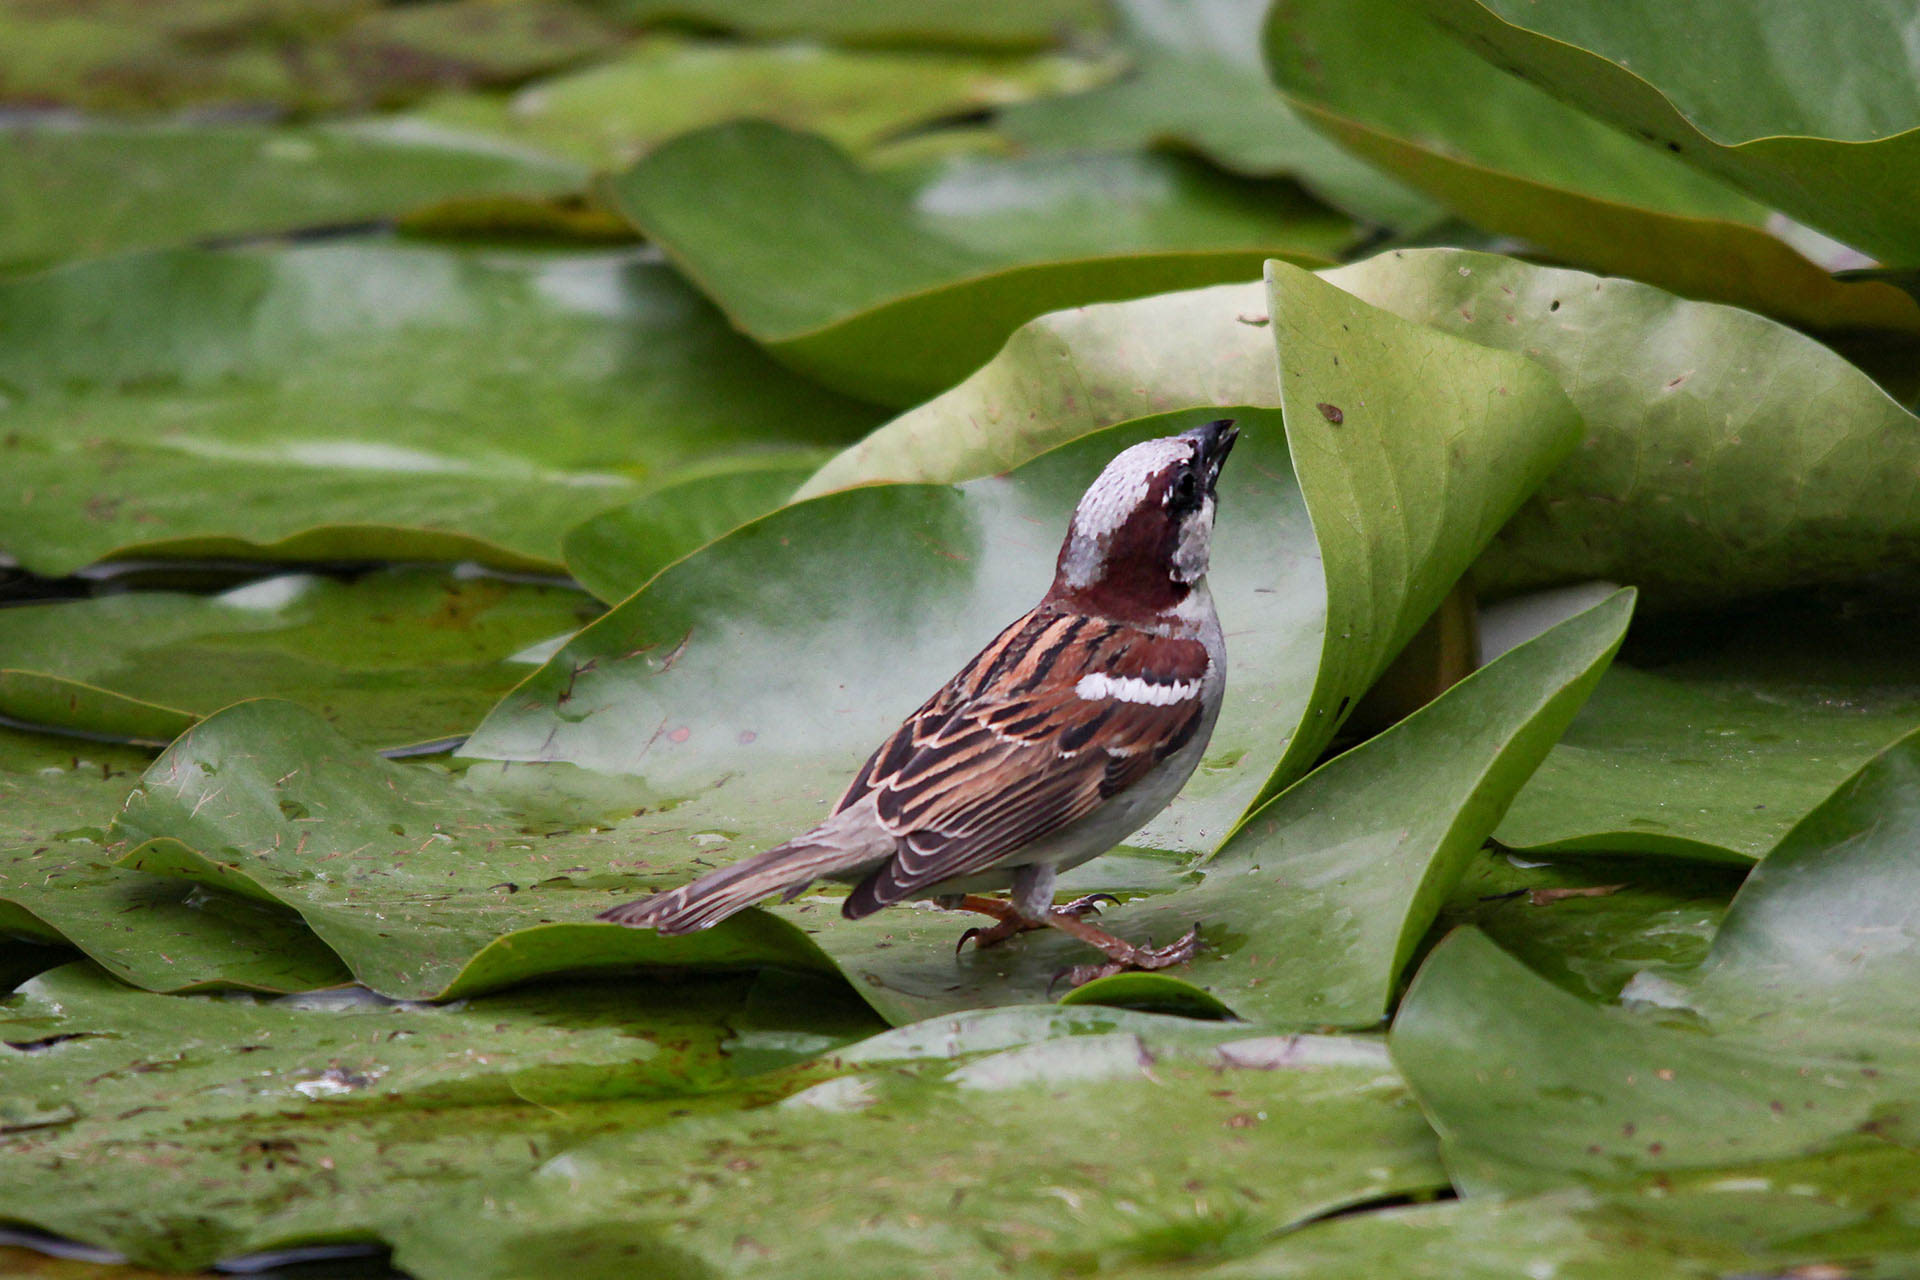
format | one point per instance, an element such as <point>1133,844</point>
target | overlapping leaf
<point>1142,1145</point>
<point>610,114</point>
<point>367,402</point>
<point>74,191</point>
<point>1813,111</point>
<point>327,1117</point>
<point>960,23</point>
<point>59,884</point>
<point>1384,81</point>
<point>894,294</point>
<point>1805,1000</point>
<point>1198,82</point>
<point>397,657</point>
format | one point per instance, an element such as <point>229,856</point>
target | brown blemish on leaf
<point>1544,897</point>
<point>1331,412</point>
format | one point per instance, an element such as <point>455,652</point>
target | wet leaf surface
<point>367,401</point>
<point>893,292</point>
<point>611,114</point>
<point>1828,132</point>
<point>1143,1143</point>
<point>75,191</point>
<point>1392,86</point>
<point>323,1117</point>
<point>1792,1034</point>
<point>58,883</point>
<point>396,657</point>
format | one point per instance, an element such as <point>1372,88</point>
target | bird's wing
<point>1059,714</point>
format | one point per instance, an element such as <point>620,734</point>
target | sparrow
<point>1061,738</point>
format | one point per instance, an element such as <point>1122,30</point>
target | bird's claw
<point>1136,960</point>
<point>965,938</point>
<point>1088,905</point>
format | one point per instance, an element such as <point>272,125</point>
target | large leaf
<point>1806,1001</point>
<point>180,1130</point>
<point>58,883</point>
<point>1310,913</point>
<point>1198,82</point>
<point>893,294</point>
<point>1697,481</point>
<point>425,885</point>
<point>399,656</point>
<point>1845,1214</point>
<point>611,114</point>
<point>966,23</point>
<point>1718,753</point>
<point>311,55</point>
<point>1385,82</point>
<point>643,727</point>
<point>76,191</point>
<point>1815,112</point>
<point>1143,1145</point>
<point>367,402</point>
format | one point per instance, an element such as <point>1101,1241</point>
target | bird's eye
<point>1186,487</point>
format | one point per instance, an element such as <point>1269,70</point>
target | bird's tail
<point>828,848</point>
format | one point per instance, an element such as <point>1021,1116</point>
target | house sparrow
<point>1061,738</point>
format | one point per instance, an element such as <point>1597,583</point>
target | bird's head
<point>1140,537</point>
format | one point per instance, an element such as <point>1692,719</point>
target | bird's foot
<point>1010,922</point>
<point>1122,956</point>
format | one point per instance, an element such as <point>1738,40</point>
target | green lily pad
<point>130,56</point>
<point>58,883</point>
<point>427,885</point>
<point>617,552</point>
<point>641,726</point>
<point>1391,86</point>
<point>611,114</point>
<point>180,1130</point>
<point>1063,1156</point>
<point>75,191</point>
<point>1198,82</point>
<point>1814,112</point>
<point>1697,481</point>
<point>399,656</point>
<point>367,401</point>
<point>1718,754</point>
<point>1849,1213</point>
<point>958,23</point>
<point>1311,911</point>
<point>1794,1033</point>
<point>893,292</point>
<point>1590,924</point>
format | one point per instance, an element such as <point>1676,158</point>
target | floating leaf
<point>307,55</point>
<point>399,656</point>
<point>180,1130</point>
<point>367,402</point>
<point>613,113</point>
<point>1814,112</point>
<point>1719,752</point>
<point>58,883</point>
<point>75,191</point>
<point>964,23</point>
<point>615,553</point>
<point>1697,481</point>
<point>1085,1154</point>
<point>1199,83</point>
<point>893,294</point>
<point>1389,85</point>
<point>1806,1001</point>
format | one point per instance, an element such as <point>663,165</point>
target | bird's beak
<point>1213,443</point>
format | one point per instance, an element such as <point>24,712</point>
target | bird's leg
<point>1121,954</point>
<point>1029,906</point>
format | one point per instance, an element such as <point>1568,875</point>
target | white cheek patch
<point>1096,686</point>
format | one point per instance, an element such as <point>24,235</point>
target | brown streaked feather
<point>1010,752</point>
